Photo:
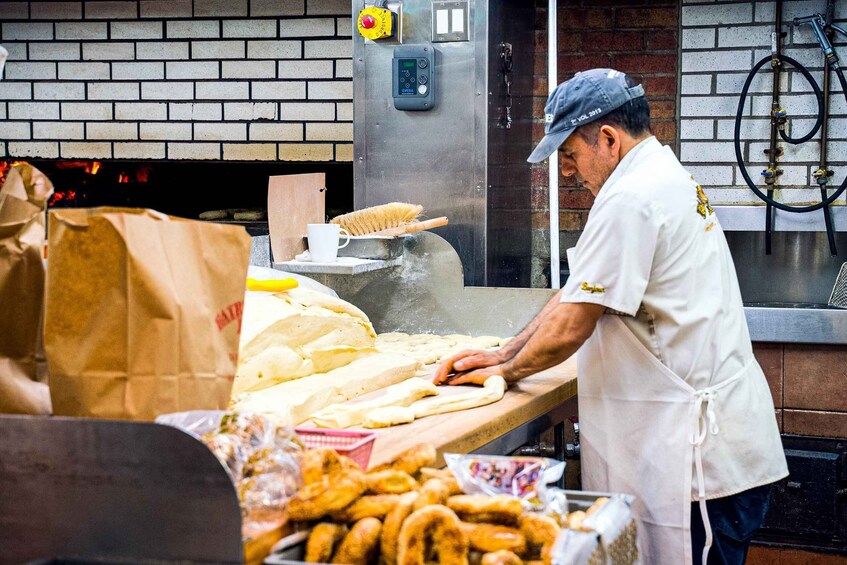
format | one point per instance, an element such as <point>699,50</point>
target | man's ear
<point>609,136</point>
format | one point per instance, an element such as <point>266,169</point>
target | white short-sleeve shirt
<point>653,251</point>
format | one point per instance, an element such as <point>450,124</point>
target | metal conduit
<point>553,161</point>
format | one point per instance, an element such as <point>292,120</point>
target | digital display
<point>408,77</point>
<point>408,64</point>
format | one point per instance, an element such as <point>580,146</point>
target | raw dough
<point>430,349</point>
<point>492,391</point>
<point>400,395</point>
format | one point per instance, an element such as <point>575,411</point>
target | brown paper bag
<point>143,312</point>
<point>23,200</point>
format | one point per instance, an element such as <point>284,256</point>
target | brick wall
<point>639,37</point>
<point>177,79</point>
<point>721,41</point>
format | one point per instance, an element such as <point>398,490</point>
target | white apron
<point>644,431</point>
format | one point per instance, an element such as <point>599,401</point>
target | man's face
<point>590,164</point>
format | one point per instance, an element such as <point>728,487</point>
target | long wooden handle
<point>416,226</point>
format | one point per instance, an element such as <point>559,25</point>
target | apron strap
<point>701,423</point>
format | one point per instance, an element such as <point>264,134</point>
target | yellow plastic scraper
<point>272,285</point>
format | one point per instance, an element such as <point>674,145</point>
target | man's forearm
<point>512,348</point>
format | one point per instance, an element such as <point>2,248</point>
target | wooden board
<point>293,202</point>
<point>467,430</point>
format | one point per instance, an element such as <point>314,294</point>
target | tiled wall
<point>807,384</point>
<point>721,41</point>
<point>177,79</point>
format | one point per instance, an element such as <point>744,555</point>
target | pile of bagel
<point>406,513</point>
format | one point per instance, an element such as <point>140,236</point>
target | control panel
<point>413,77</point>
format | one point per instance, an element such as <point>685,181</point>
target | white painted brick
<point>805,152</point>
<point>331,90</point>
<point>33,110</point>
<point>796,175</point>
<point>162,50</point>
<point>249,29</point>
<point>795,104</point>
<point>113,91</point>
<point>278,90</point>
<point>249,151</point>
<point>2,111</point>
<point>248,69</point>
<point>277,7</point>
<point>267,49</point>
<point>716,61</point>
<point>141,111</point>
<point>719,106</point>
<point>328,7</point>
<point>344,27</point>
<point>111,130</point>
<point>220,132</point>
<point>194,151</point>
<point>81,30</point>
<point>58,130</point>
<point>718,196</point>
<point>707,152</point>
<point>222,90</point>
<point>276,132</point>
<point>811,57</point>
<point>27,31</point>
<point>202,111</point>
<point>137,150</point>
<point>111,10</point>
<point>344,152</point>
<point>307,111</point>
<point>305,69</point>
<point>84,71</point>
<point>217,49</point>
<point>796,8</point>
<point>138,71</point>
<point>86,149</point>
<point>305,151</point>
<point>731,83</point>
<point>15,90</point>
<point>344,68</point>
<point>166,9</point>
<point>250,111</point>
<point>750,129</point>
<point>799,196</point>
<point>220,8</point>
<point>710,175</point>
<point>15,130</point>
<point>329,132</point>
<point>765,11</point>
<point>59,91</point>
<point>43,149</point>
<point>307,27</point>
<point>193,28</point>
<point>30,71</point>
<point>737,13</point>
<point>164,131</point>
<point>329,48</point>
<point>696,84</point>
<point>17,51</point>
<point>137,30</point>
<point>86,111</point>
<point>344,111</point>
<point>745,36</point>
<point>54,51</point>
<point>55,10</point>
<point>14,10</point>
<point>3,151</point>
<point>696,129</point>
<point>108,51</point>
<point>192,69</point>
<point>167,90</point>
<point>799,84</point>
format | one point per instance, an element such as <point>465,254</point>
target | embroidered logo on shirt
<point>592,288</point>
<point>703,207</point>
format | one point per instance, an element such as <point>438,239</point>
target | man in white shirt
<point>673,405</point>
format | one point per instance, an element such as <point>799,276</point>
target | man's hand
<point>466,361</point>
<point>476,377</point>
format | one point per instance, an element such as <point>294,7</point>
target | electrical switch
<point>375,23</point>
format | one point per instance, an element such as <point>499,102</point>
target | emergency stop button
<point>375,23</point>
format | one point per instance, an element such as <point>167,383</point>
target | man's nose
<point>567,168</point>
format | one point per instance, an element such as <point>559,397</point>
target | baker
<point>674,408</point>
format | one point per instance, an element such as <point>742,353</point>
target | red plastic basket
<point>355,445</point>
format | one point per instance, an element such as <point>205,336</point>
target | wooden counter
<point>468,430</point>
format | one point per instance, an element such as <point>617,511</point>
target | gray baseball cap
<point>582,99</point>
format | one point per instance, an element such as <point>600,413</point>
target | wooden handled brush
<point>413,227</point>
<point>379,218</point>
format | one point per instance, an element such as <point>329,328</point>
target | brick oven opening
<point>185,188</point>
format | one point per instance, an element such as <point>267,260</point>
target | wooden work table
<point>468,430</point>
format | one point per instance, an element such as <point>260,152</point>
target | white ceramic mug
<point>323,241</point>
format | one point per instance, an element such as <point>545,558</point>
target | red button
<point>368,21</point>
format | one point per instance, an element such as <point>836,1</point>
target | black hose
<point>738,116</point>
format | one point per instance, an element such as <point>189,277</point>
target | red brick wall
<point>638,37</point>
